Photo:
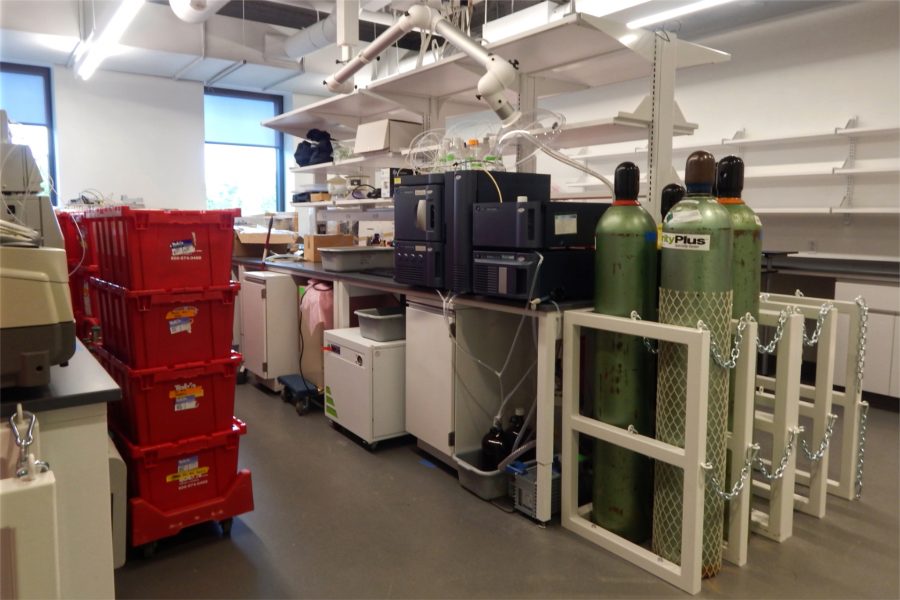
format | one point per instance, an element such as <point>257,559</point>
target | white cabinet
<point>364,384</point>
<point>429,379</point>
<point>882,345</point>
<point>270,332</point>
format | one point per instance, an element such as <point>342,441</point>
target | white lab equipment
<point>37,327</point>
<point>364,385</point>
<point>269,326</point>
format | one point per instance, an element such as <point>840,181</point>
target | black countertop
<point>82,382</point>
<point>387,284</point>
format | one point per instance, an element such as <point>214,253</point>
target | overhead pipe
<point>196,11</point>
<point>320,34</point>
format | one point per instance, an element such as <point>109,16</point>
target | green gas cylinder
<point>747,253</point>
<point>624,370</point>
<point>695,285</point>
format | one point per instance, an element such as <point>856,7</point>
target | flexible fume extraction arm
<point>499,75</point>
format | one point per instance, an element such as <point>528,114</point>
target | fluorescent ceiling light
<point>675,13</point>
<point>99,48</point>
<point>601,8</point>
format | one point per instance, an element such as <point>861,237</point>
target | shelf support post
<point>527,105</point>
<point>662,94</point>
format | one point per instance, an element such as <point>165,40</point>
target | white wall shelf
<point>344,203</point>
<point>570,54</point>
<point>830,210</point>
<point>377,160</point>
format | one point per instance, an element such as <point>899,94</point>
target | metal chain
<point>738,486</point>
<point>735,347</point>
<point>820,319</point>
<point>864,406</point>
<point>861,447</point>
<point>648,343</point>
<point>782,465</point>
<point>861,340</point>
<point>823,445</point>
<point>22,468</point>
<point>771,347</point>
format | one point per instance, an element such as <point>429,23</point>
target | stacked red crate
<point>166,304</point>
<point>82,262</point>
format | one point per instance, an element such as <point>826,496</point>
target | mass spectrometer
<point>37,327</point>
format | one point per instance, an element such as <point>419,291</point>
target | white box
<point>385,134</point>
<point>364,385</point>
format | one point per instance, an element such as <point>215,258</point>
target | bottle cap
<point>671,195</point>
<point>730,177</point>
<point>472,142</point>
<point>700,172</point>
<point>627,181</point>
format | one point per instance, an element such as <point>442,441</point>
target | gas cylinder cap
<point>627,182</point>
<point>700,172</point>
<point>671,195</point>
<point>730,177</point>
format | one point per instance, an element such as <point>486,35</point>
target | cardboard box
<point>385,134</point>
<point>250,241</point>
<point>312,244</point>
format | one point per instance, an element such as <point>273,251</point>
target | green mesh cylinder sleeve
<point>695,285</point>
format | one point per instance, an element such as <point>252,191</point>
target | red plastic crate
<point>158,328</point>
<point>149,523</point>
<point>77,238</point>
<point>186,473</point>
<point>84,297</point>
<point>167,404</point>
<point>163,249</point>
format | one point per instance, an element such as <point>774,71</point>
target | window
<point>244,161</point>
<point>25,96</point>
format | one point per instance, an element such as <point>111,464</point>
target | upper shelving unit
<point>375,160</point>
<point>573,53</point>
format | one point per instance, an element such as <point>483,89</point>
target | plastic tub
<point>487,485</point>
<point>185,473</point>
<point>382,324</point>
<point>167,404</point>
<point>356,258</point>
<point>142,249</point>
<point>159,328</point>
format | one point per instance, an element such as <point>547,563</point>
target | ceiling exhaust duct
<point>196,11</point>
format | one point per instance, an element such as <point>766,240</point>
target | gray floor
<point>333,520</point>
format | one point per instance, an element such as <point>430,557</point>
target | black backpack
<point>315,149</point>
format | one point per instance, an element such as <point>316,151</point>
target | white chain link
<point>820,320</point>
<point>823,445</point>
<point>778,473</point>
<point>735,347</point>
<point>772,346</point>
<point>861,448</point>
<point>860,371</point>
<point>738,486</point>
<point>648,343</point>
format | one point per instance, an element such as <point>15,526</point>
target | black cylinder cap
<point>671,195</point>
<point>627,181</point>
<point>730,177</point>
<point>700,172</point>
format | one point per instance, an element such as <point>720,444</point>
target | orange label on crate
<point>183,476</point>
<point>185,396</point>
<point>180,319</point>
<point>190,473</point>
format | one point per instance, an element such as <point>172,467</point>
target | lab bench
<point>549,330</point>
<point>71,414</point>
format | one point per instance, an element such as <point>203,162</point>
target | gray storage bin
<point>356,258</point>
<point>382,324</point>
<point>487,485</point>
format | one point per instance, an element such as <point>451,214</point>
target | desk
<point>549,331</point>
<point>71,411</point>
